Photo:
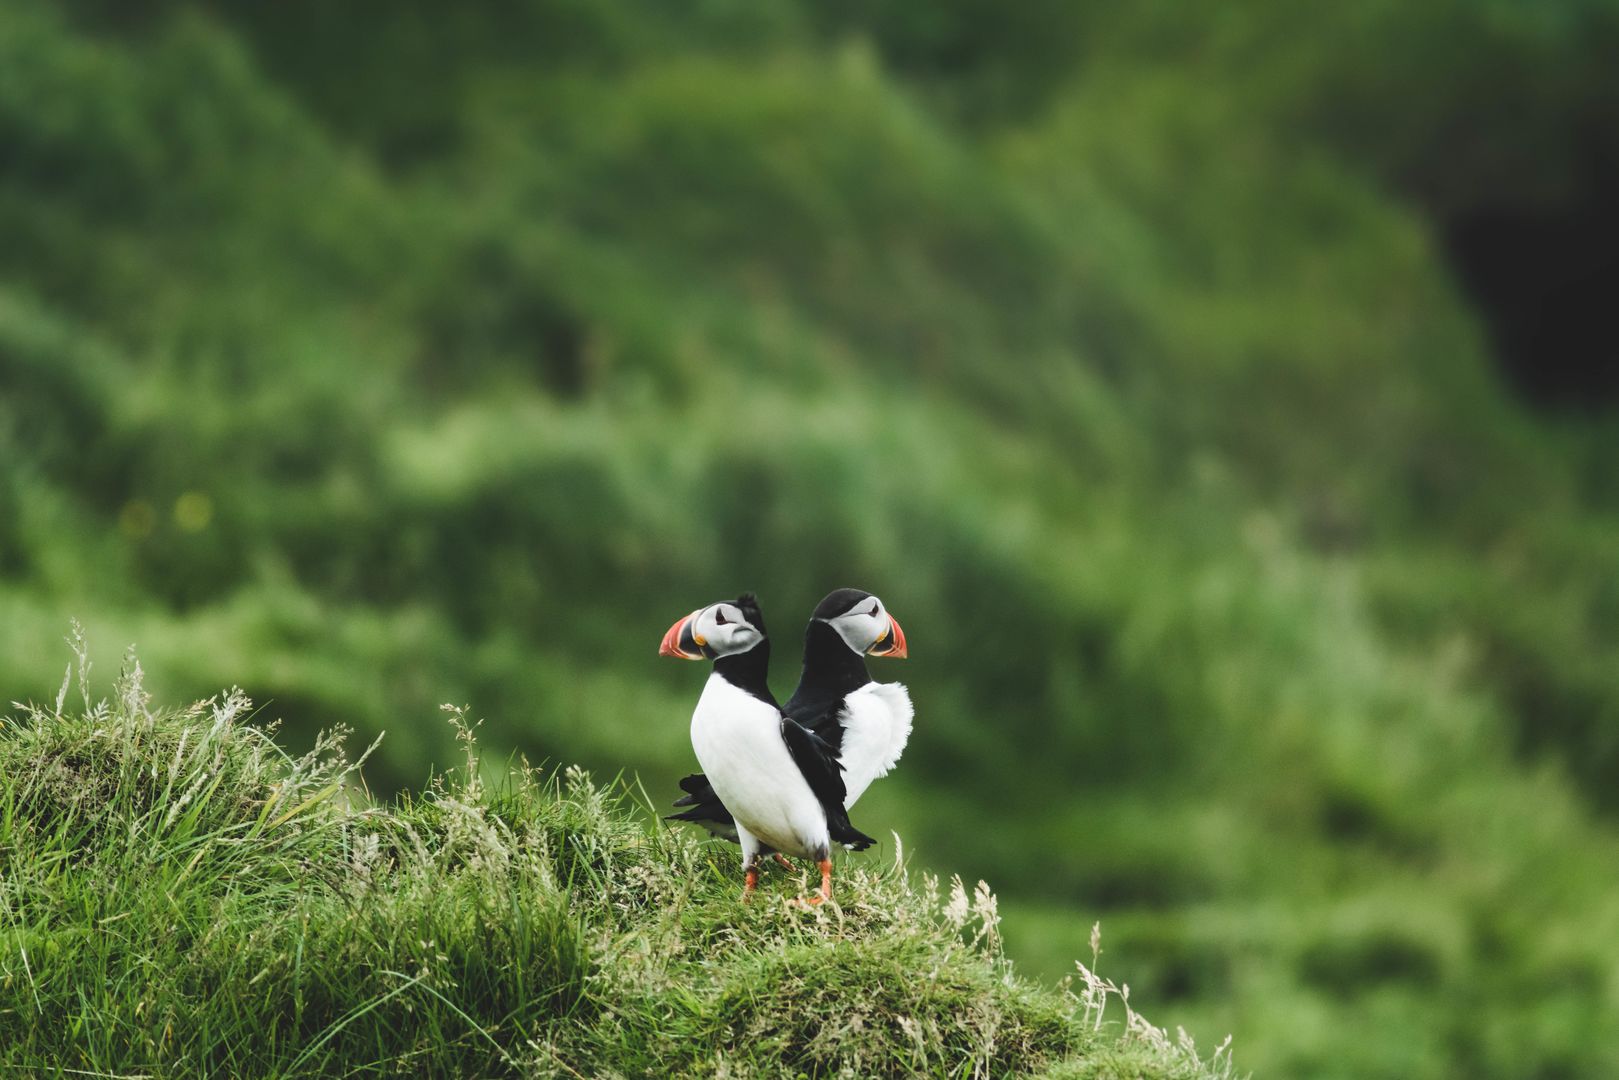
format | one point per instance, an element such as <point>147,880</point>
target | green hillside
<point>374,361</point>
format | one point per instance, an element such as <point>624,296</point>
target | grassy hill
<point>187,899</point>
<point>372,362</point>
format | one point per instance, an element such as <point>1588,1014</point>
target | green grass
<point>182,897</point>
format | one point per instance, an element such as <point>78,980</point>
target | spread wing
<point>867,731</point>
<point>818,763</point>
<point>875,724</point>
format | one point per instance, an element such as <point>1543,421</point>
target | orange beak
<point>681,642</point>
<point>891,644</point>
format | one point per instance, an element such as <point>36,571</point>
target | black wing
<point>818,762</point>
<point>832,671</point>
<point>706,808</point>
<point>823,717</point>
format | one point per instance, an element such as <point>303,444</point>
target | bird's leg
<point>826,886</point>
<point>750,878</point>
<point>783,862</point>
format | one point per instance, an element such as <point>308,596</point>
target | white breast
<point>876,723</point>
<point>738,742</point>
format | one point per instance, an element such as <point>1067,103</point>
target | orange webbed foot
<point>826,888</point>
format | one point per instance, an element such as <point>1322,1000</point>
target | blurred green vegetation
<point>376,356</point>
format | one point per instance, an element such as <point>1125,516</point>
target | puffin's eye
<point>873,611</point>
<point>719,617</point>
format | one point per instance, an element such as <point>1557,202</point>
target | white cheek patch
<point>702,627</point>
<point>733,637</point>
<point>855,630</point>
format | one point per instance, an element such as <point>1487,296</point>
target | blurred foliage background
<point>1222,396</point>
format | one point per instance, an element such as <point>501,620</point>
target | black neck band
<point>831,668</point>
<point>749,671</point>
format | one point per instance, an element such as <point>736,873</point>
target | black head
<point>715,631</point>
<point>862,622</point>
<point>749,606</point>
<point>839,602</point>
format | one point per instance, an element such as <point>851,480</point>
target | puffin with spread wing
<point>780,782</point>
<point>864,723</point>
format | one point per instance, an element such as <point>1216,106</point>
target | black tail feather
<point>837,824</point>
<point>703,814</point>
<point>697,789</point>
<point>706,808</point>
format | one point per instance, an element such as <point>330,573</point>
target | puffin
<point>780,782</point>
<point>865,723</point>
